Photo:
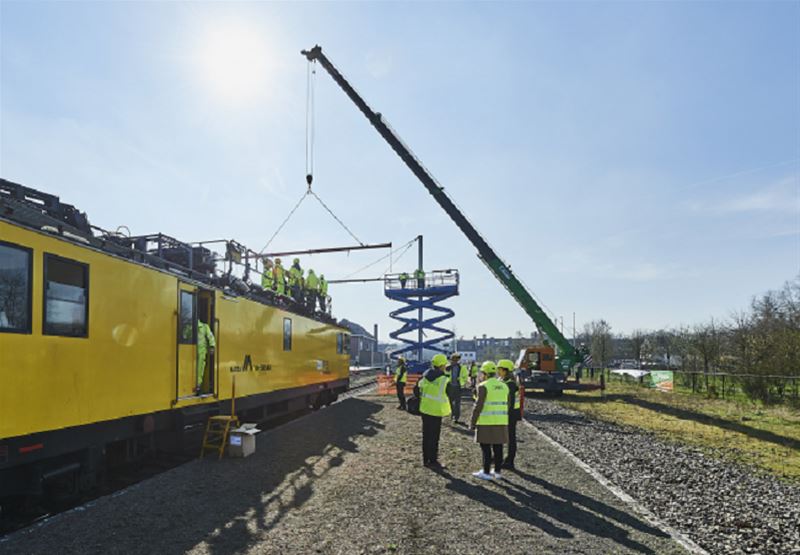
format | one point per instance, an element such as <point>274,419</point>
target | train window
<point>15,288</point>
<point>339,343</point>
<point>187,323</point>
<point>66,296</point>
<point>346,343</point>
<point>287,334</point>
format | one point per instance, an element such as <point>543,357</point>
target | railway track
<point>118,479</point>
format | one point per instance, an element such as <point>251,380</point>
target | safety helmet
<point>439,360</point>
<point>455,355</point>
<point>488,367</point>
<point>505,363</point>
<point>401,358</point>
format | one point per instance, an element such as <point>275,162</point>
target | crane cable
<point>382,258</point>
<point>310,74</point>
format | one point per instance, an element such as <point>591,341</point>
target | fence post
<point>723,386</point>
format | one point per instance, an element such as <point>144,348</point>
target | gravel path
<point>724,507</point>
<point>348,479</point>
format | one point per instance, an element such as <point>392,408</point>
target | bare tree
<point>602,345</point>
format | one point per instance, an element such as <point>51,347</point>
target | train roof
<point>193,261</point>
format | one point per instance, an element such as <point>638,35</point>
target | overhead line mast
<point>568,355</point>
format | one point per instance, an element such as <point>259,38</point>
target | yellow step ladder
<point>216,436</point>
<point>218,428</point>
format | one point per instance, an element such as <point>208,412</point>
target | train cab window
<point>346,343</point>
<point>66,297</point>
<point>339,343</point>
<point>15,289</point>
<point>287,334</point>
<point>187,323</point>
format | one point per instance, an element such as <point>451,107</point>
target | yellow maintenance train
<point>98,345</point>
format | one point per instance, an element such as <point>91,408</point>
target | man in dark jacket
<point>505,368</point>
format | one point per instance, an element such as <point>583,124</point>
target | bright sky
<point>638,162</point>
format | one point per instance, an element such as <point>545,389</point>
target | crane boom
<point>568,355</point>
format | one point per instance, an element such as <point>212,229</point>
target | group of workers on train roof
<point>307,289</point>
<point>495,415</point>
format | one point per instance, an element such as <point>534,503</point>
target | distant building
<point>364,350</point>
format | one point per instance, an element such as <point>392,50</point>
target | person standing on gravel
<point>490,420</point>
<point>505,369</point>
<point>457,373</point>
<point>400,379</point>
<point>434,405</point>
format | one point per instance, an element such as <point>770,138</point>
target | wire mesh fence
<point>769,389</point>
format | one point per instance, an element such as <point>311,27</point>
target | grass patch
<point>765,437</point>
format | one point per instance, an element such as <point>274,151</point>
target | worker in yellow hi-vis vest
<point>433,405</point>
<point>400,379</point>
<point>280,277</point>
<point>205,350</point>
<point>268,276</point>
<point>311,290</point>
<point>490,417</point>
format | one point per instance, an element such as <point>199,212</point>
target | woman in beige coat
<point>490,420</point>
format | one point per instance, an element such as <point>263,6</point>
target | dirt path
<point>348,479</point>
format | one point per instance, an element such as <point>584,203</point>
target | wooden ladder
<point>218,428</point>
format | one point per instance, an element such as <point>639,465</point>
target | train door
<point>196,342</point>
<point>206,343</point>
<point>186,358</point>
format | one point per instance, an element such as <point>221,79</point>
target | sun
<point>232,58</point>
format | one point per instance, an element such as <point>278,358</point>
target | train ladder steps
<point>215,437</point>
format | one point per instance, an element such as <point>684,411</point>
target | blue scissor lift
<point>421,295</point>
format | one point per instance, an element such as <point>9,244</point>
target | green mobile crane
<point>567,356</point>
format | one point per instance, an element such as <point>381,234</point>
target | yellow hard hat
<point>488,367</point>
<point>439,360</point>
<point>505,363</point>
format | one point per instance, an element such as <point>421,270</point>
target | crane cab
<point>541,358</point>
<point>537,370</point>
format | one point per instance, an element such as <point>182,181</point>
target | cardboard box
<point>242,441</point>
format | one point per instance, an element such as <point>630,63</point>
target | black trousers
<point>431,429</point>
<point>492,452</point>
<point>512,440</point>
<point>401,395</point>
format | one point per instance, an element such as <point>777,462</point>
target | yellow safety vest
<point>400,374</point>
<point>495,407</point>
<point>268,279</point>
<point>434,401</point>
<point>463,377</point>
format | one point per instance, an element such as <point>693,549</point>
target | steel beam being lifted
<point>330,249</point>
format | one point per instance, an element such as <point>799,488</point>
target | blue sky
<point>638,162</point>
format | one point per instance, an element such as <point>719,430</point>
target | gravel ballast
<point>348,479</point>
<point>725,507</point>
